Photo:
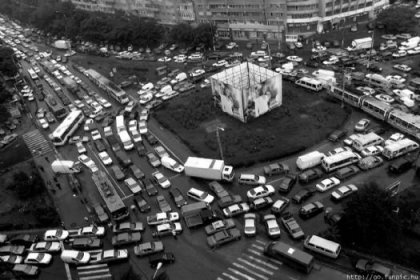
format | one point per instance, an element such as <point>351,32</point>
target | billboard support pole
<point>219,142</point>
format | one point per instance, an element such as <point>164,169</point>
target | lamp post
<point>219,142</point>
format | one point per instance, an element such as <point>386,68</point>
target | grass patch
<point>14,153</point>
<point>304,119</point>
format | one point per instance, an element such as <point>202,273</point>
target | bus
<point>399,148</point>
<point>339,160</point>
<point>112,200</point>
<point>309,83</point>
<point>66,129</point>
<point>56,108</point>
<point>322,246</point>
<point>365,140</point>
<point>290,256</point>
<point>108,86</point>
<point>32,74</point>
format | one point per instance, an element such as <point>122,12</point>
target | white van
<point>75,257</point>
<point>251,179</point>
<point>322,246</point>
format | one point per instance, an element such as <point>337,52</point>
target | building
<point>247,91</point>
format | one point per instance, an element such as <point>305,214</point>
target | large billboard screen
<point>230,98</point>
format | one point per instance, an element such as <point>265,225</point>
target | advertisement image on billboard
<point>230,98</point>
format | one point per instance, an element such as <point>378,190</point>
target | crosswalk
<point>252,265</point>
<point>37,143</point>
<point>93,272</point>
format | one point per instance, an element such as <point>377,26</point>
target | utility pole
<point>219,142</point>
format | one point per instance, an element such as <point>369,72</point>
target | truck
<point>309,160</point>
<point>65,166</point>
<point>210,169</point>
<point>70,85</point>
<point>361,44</point>
<point>198,214</point>
<point>325,76</point>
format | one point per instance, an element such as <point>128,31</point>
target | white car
<point>200,195</point>
<point>172,164</point>
<point>366,90</point>
<point>416,50</point>
<point>260,191</point>
<point>79,104</point>
<point>394,138</point>
<point>44,124</point>
<point>105,158</point>
<point>88,162</point>
<point>338,150</point>
<point>331,60</point>
<point>294,58</point>
<point>250,227</point>
<point>108,131</point>
<point>136,136</point>
<point>38,258</point>
<point>92,230</point>
<point>402,67</point>
<point>105,103</point>
<point>164,59</point>
<point>231,45</point>
<point>80,148</point>
<point>129,107</point>
<point>395,79</point>
<point>75,257</point>
<point>45,247</point>
<point>372,151</point>
<point>236,209</point>
<point>195,56</point>
<point>143,127</point>
<point>147,87</point>
<point>160,179</point>
<point>132,125</point>
<point>399,53</point>
<point>96,135</point>
<point>385,98</point>
<point>144,115</point>
<point>220,63</point>
<point>145,98</point>
<point>197,72</point>
<point>327,184</point>
<point>132,185</point>
<point>343,191</point>
<point>56,235</point>
<point>180,58</point>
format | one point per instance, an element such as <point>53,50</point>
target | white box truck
<point>65,166</point>
<point>326,77</point>
<point>309,160</point>
<point>361,44</point>
<point>211,169</point>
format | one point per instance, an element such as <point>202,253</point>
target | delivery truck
<point>198,214</point>
<point>65,166</point>
<point>210,169</point>
<point>309,160</point>
<point>361,44</point>
<point>326,77</point>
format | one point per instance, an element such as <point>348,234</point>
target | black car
<point>302,195</point>
<point>311,209</point>
<point>107,121</point>
<point>374,68</point>
<point>229,200</point>
<point>137,172</point>
<point>310,175</point>
<point>177,196</point>
<point>312,64</point>
<point>151,139</point>
<point>142,204</point>
<point>164,258</point>
<point>141,149</point>
<point>118,173</point>
<point>372,269</point>
<point>332,217</point>
<point>400,166</point>
<point>24,239</point>
<point>337,135</point>
<point>261,203</point>
<point>86,243</point>
<point>151,188</point>
<point>286,183</point>
<point>100,145</point>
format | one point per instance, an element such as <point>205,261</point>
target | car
<point>236,209</point>
<point>343,192</point>
<point>38,259</point>
<point>223,237</point>
<point>25,270</point>
<point>75,257</point>
<point>200,195</point>
<point>261,203</point>
<point>141,149</point>
<point>373,269</point>
<point>177,197</point>
<point>106,256</point>
<point>142,204</point>
<point>137,172</point>
<point>130,107</point>
<point>80,148</point>
<point>396,81</point>
<point>12,249</point>
<point>372,151</point>
<point>96,135</point>
<point>338,150</point>
<point>56,235</point>
<point>153,159</point>
<point>161,180</point>
<point>125,238</point>
<point>100,145</point>
<point>292,226</point>
<point>151,139</point>
<point>144,115</point>
<point>332,217</point>
<point>402,67</point>
<point>172,164</point>
<point>286,183</point>
<point>362,125</point>
<point>219,225</point>
<point>404,36</point>
<point>401,165</point>
<point>43,122</point>
<point>260,191</point>
<point>128,227</point>
<point>23,239</point>
<point>220,63</point>
<point>279,205</point>
<point>231,45</point>
<point>136,136</point>
<point>385,98</point>
<point>151,188</point>
<point>370,162</point>
<point>218,189</point>
<point>163,258</point>
<point>276,169</point>
<point>327,184</point>
<point>366,90</point>
<point>394,138</point>
<point>337,135</point>
<point>105,158</point>
<point>399,53</point>
<point>302,195</point>
<point>118,173</point>
<point>349,141</point>
<point>86,243</point>
<point>161,151</point>
<point>310,175</point>
<point>91,230</point>
<point>132,125</point>
<point>143,127</point>
<point>133,185</point>
<point>50,117</point>
<point>250,228</point>
<point>45,247</point>
<point>229,200</point>
<point>311,209</point>
<point>161,218</point>
<point>148,248</point>
<point>271,226</point>
<point>88,162</point>
<point>413,51</point>
<point>163,204</point>
<point>167,229</point>
<point>12,259</point>
<point>294,58</point>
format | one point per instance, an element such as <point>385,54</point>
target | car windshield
<point>40,257</point>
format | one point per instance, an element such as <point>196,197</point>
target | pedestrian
<point>174,234</point>
<point>47,159</point>
<point>41,168</point>
<point>58,186</point>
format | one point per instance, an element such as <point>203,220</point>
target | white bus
<point>399,148</point>
<point>126,140</point>
<point>32,74</point>
<point>322,246</point>
<point>119,123</point>
<point>365,140</point>
<point>339,160</point>
<point>69,125</point>
<point>309,83</point>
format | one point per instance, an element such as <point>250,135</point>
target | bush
<point>27,187</point>
<point>47,216</point>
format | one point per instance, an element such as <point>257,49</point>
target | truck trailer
<point>361,44</point>
<point>65,166</point>
<point>210,169</point>
<point>309,160</point>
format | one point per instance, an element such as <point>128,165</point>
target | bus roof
<point>407,117</point>
<point>112,200</point>
<point>377,103</point>
<point>293,252</point>
<point>66,122</point>
<point>105,82</point>
<point>325,243</point>
<point>310,80</point>
<point>365,138</point>
<point>399,144</point>
<point>339,156</point>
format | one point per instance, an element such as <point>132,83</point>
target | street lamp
<point>218,141</point>
<point>159,265</point>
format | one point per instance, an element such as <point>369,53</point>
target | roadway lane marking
<point>219,278</point>
<point>262,262</point>
<point>94,251</point>
<point>270,182</point>
<point>166,147</point>
<point>91,266</point>
<point>250,271</point>
<point>66,265</point>
<point>127,197</point>
<point>229,276</point>
<point>241,274</point>
<point>256,266</point>
<point>258,247</point>
<point>260,241</point>
<point>94,271</point>
<point>96,277</point>
<point>255,252</point>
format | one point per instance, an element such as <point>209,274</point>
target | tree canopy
<point>7,63</point>
<point>398,19</point>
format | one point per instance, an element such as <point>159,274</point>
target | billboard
<point>229,98</point>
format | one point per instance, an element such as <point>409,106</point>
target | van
<point>75,257</point>
<point>251,179</point>
<point>322,246</point>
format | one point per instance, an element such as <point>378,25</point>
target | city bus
<point>66,129</point>
<point>108,86</point>
<point>32,74</point>
<point>366,140</point>
<point>290,256</point>
<point>112,200</point>
<point>339,160</point>
<point>399,148</point>
<point>58,110</point>
<point>322,246</point>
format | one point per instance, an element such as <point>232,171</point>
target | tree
<point>27,187</point>
<point>4,114</point>
<point>398,19</point>
<point>204,34</point>
<point>182,33</point>
<point>7,63</point>
<point>369,221</point>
